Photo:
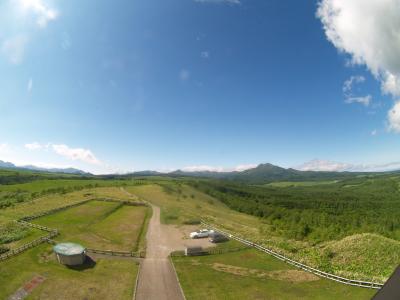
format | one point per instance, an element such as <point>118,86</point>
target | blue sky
<point>116,86</point>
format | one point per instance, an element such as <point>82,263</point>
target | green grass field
<point>106,279</point>
<point>98,225</point>
<point>251,274</point>
<point>377,256</point>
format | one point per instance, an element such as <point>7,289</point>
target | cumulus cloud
<point>43,13</point>
<point>332,166</point>
<point>184,75</point>
<point>368,31</point>
<point>219,1</point>
<point>394,117</point>
<point>81,154</point>
<point>14,48</point>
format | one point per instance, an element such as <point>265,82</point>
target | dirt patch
<point>28,287</point>
<point>293,275</point>
<point>283,275</point>
<point>195,262</point>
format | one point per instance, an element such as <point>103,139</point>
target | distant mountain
<point>267,173</point>
<point>8,165</point>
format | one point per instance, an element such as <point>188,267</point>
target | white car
<point>202,233</point>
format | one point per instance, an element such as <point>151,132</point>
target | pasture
<point>103,279</point>
<point>250,274</point>
<point>99,225</point>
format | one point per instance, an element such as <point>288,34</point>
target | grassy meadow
<point>99,225</point>
<point>367,256</point>
<point>104,279</point>
<point>250,274</point>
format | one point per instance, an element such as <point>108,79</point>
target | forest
<point>319,212</point>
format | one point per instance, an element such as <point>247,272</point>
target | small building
<point>70,254</point>
<point>194,250</point>
<point>217,237</point>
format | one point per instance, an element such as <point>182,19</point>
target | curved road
<point>157,278</point>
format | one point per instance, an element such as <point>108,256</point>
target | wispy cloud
<point>30,85</point>
<point>332,166</point>
<point>84,155</point>
<point>219,1</point>
<point>204,168</point>
<point>34,146</point>
<point>43,12</point>
<point>184,75</point>
<point>66,41</point>
<point>374,132</point>
<point>5,148</point>
<point>76,154</point>
<point>348,91</point>
<point>205,54</point>
<point>366,100</point>
<point>14,48</point>
<point>348,84</point>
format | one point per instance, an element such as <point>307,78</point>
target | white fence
<point>365,284</point>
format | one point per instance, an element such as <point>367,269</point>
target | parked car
<point>217,237</point>
<point>202,233</point>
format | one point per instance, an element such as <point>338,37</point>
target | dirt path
<point>157,278</point>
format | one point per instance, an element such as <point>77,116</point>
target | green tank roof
<point>68,249</point>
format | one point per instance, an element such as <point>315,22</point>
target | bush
<point>192,222</point>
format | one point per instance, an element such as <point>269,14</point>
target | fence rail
<point>360,283</point>
<point>27,246</point>
<point>54,232</point>
<point>114,253</point>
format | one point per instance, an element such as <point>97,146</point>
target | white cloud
<point>14,48</point>
<point>5,148</point>
<point>34,146</point>
<point>394,117</point>
<point>348,84</point>
<point>374,132</point>
<point>348,91</point>
<point>66,41</point>
<point>43,13</point>
<point>204,168</point>
<point>30,85</point>
<point>366,100</point>
<point>81,154</point>
<point>205,54</point>
<point>323,165</point>
<point>326,165</point>
<point>369,31</point>
<point>219,1</point>
<point>241,168</point>
<point>184,75</point>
